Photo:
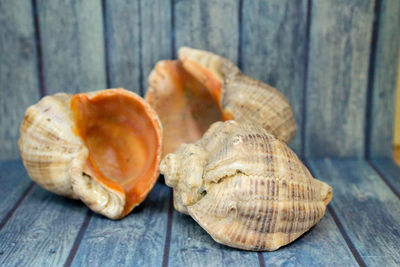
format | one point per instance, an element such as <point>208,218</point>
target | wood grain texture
<point>41,231</point>
<point>192,246</point>
<point>156,35</point>
<point>314,248</point>
<point>72,45</point>
<point>209,25</point>
<point>122,19</point>
<point>339,49</point>
<point>137,240</point>
<point>384,80</point>
<point>273,49</point>
<point>368,210</point>
<point>19,85</point>
<point>13,183</point>
<point>390,171</point>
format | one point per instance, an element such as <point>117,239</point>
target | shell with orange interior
<point>200,88</point>
<point>246,188</point>
<point>101,147</point>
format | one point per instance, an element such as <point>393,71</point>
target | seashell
<point>201,88</point>
<point>101,147</point>
<point>245,187</point>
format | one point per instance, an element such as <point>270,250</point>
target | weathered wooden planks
<point>390,172</point>
<point>156,35</point>
<point>19,85</point>
<point>72,42</point>
<point>365,206</point>
<point>314,248</point>
<point>210,25</point>
<point>273,49</point>
<point>339,49</point>
<point>122,18</point>
<point>192,246</point>
<point>41,231</point>
<point>137,240</point>
<point>138,35</point>
<point>13,184</point>
<point>384,80</point>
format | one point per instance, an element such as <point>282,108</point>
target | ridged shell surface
<point>244,99</point>
<point>55,156</point>
<point>48,145</point>
<point>245,187</point>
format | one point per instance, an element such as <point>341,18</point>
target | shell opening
<point>185,103</point>
<point>123,140</point>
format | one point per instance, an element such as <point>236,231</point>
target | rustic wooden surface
<point>360,226</point>
<point>339,49</point>
<point>41,231</point>
<point>211,25</point>
<point>122,18</point>
<point>389,171</point>
<point>366,208</point>
<point>72,45</point>
<point>192,246</point>
<point>274,48</point>
<point>156,30</point>
<point>137,240</point>
<point>14,184</point>
<point>384,80</point>
<point>19,83</point>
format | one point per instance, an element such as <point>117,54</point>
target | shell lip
<point>139,183</point>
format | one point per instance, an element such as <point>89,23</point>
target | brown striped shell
<point>200,88</point>
<point>246,188</point>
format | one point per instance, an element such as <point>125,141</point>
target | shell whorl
<point>48,145</point>
<point>254,193</point>
<point>245,99</point>
<point>54,156</point>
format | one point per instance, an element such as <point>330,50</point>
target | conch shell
<point>245,187</point>
<point>201,88</point>
<point>103,148</point>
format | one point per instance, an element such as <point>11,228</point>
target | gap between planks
<point>346,238</point>
<point>11,212</point>
<point>78,238</point>
<point>383,178</point>
<point>168,234</point>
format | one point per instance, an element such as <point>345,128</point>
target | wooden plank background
<point>336,62</point>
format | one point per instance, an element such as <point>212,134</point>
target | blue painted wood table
<point>361,226</point>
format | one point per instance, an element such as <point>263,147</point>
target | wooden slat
<point>72,45</point>
<point>122,24</point>
<point>210,25</point>
<point>367,209</point>
<point>13,183</point>
<point>339,49</point>
<point>390,172</point>
<point>192,246</point>
<point>156,34</point>
<point>384,79</point>
<point>273,49</point>
<point>41,231</point>
<point>18,71</point>
<point>137,240</point>
<point>314,248</point>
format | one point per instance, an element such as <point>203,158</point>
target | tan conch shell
<point>101,147</point>
<point>200,88</point>
<point>246,188</point>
